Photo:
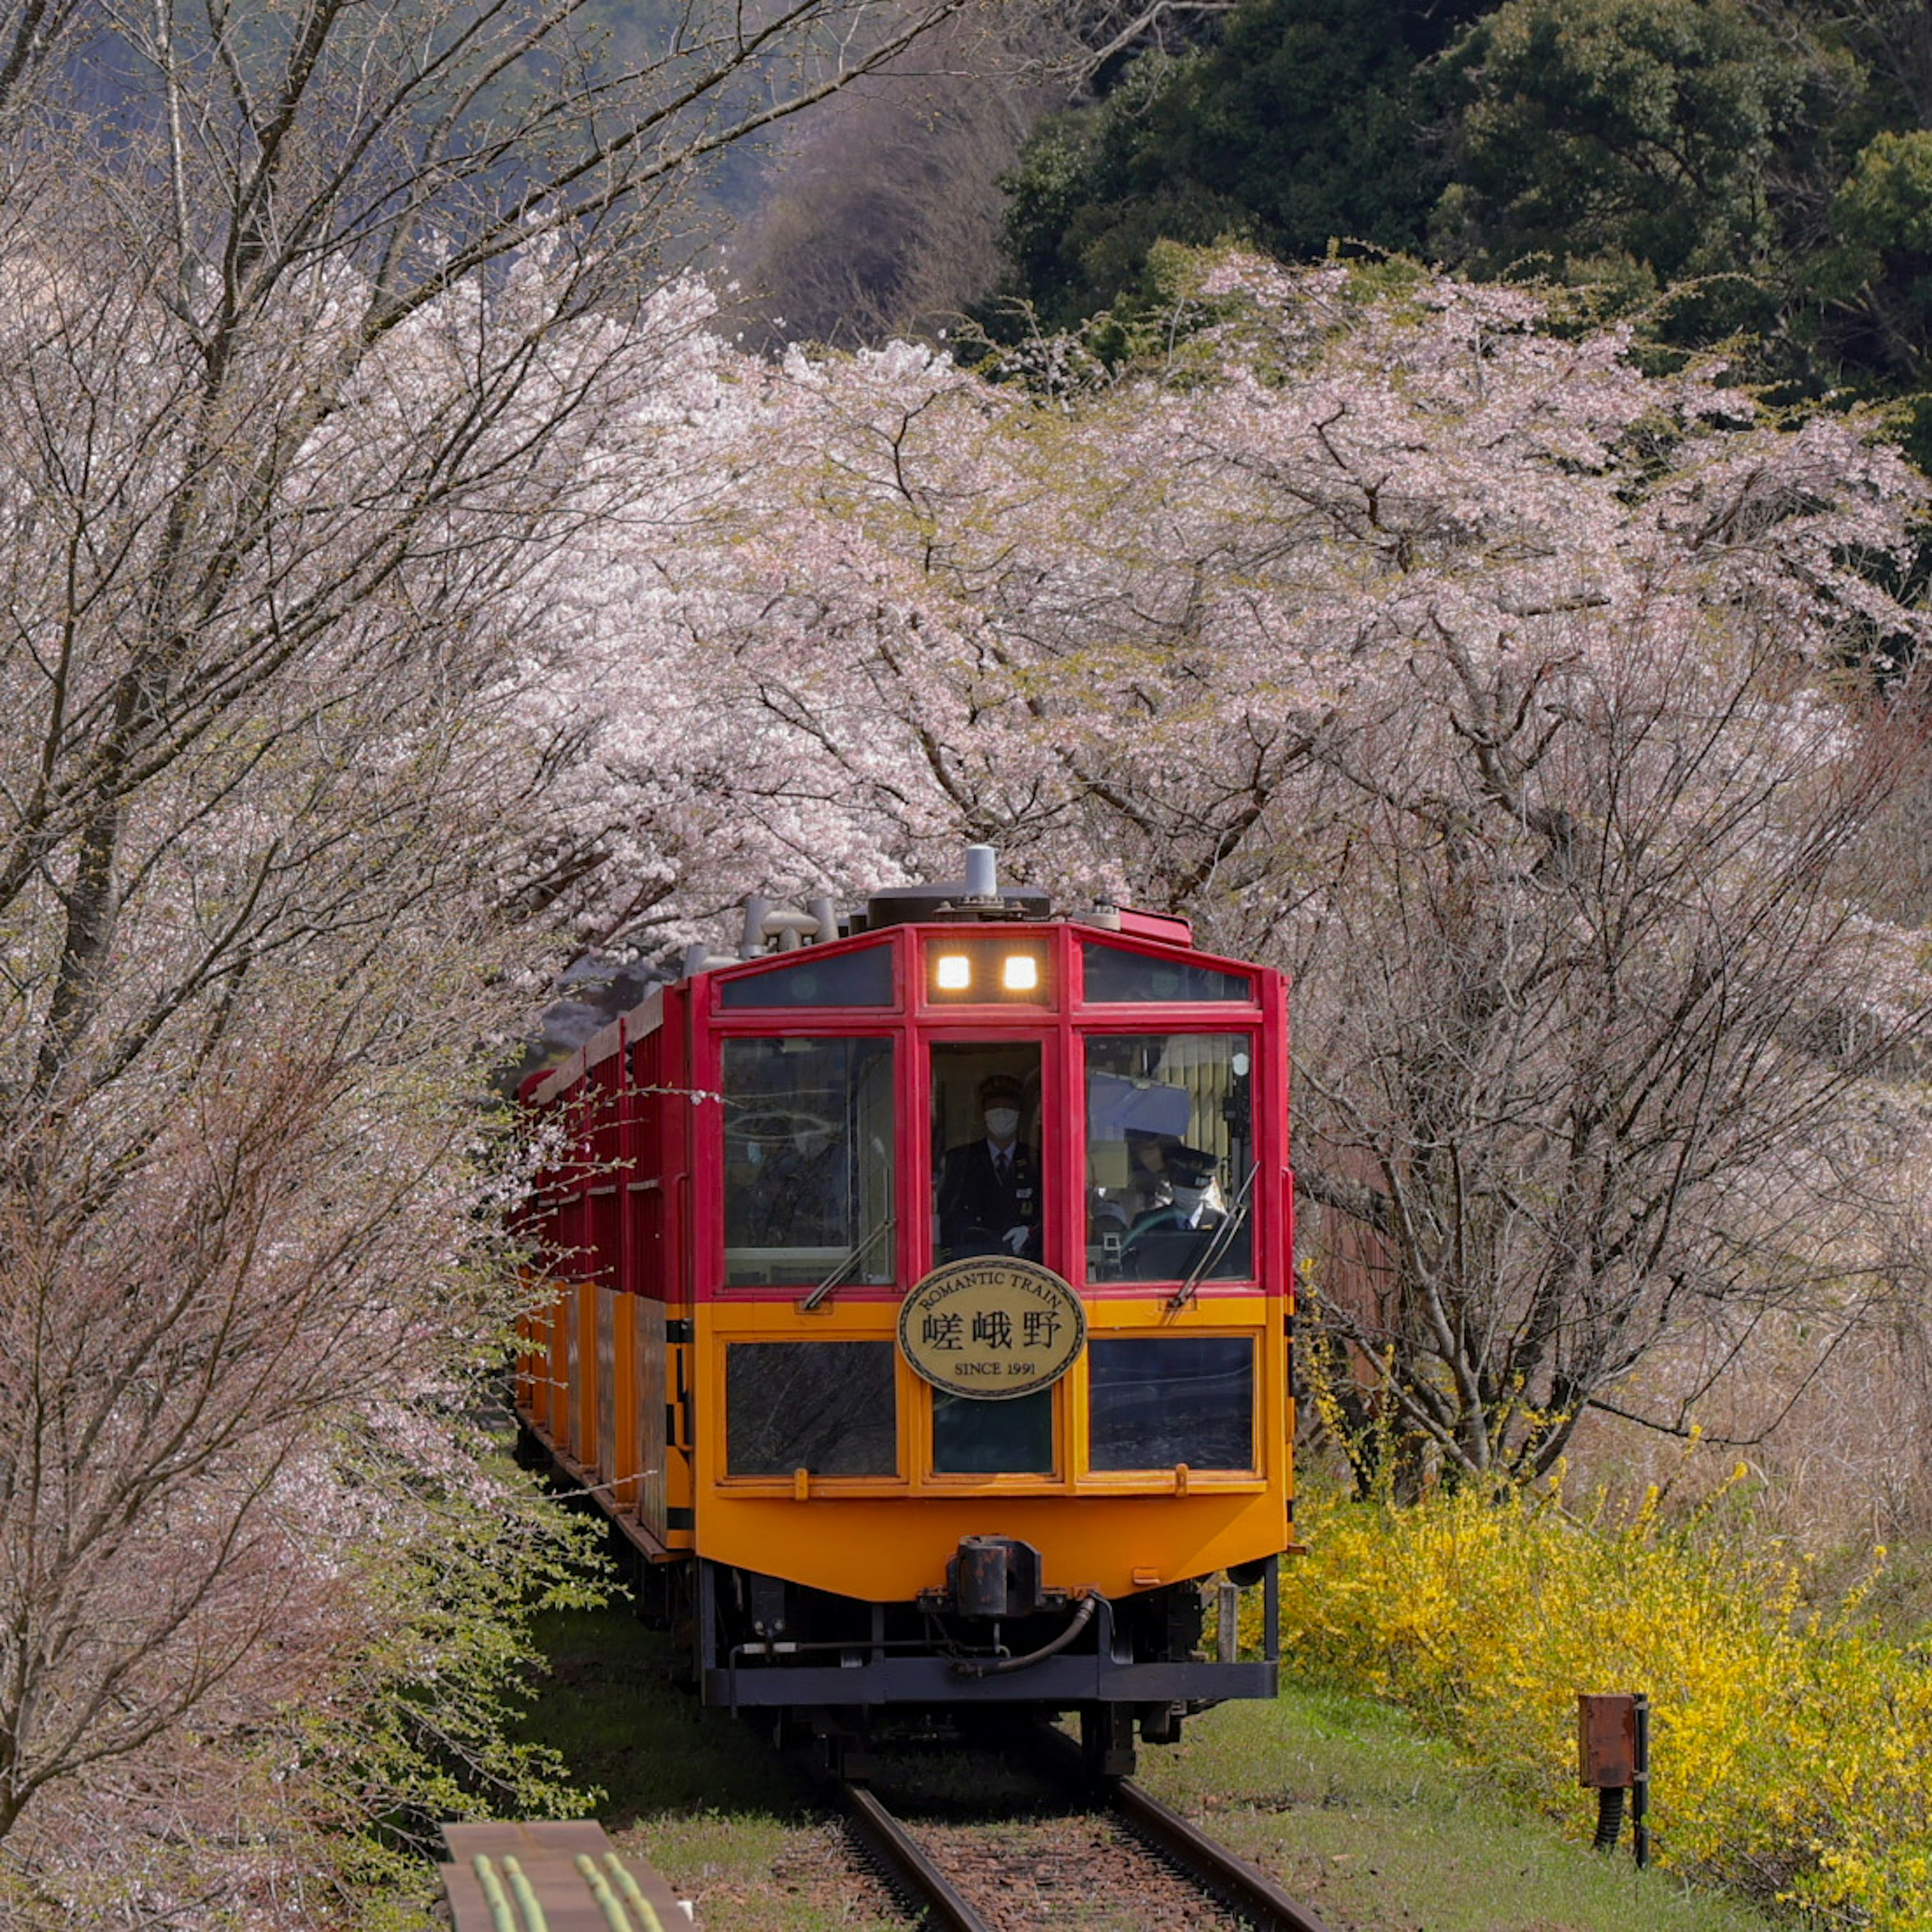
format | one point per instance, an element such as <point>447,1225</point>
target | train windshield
<point>824,1407</point>
<point>1113,975</point>
<point>1154,1401</point>
<point>989,1197</point>
<point>808,1162</point>
<point>988,1190</point>
<point>1170,1156</point>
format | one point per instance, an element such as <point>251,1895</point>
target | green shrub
<point>1789,1745</point>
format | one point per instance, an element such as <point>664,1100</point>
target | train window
<point>1114,974</point>
<point>987,1188</point>
<point>992,1438</point>
<point>861,979</point>
<point>824,1406</point>
<point>808,1162</point>
<point>1153,1402</point>
<point>570,1255</point>
<point>1170,1156</point>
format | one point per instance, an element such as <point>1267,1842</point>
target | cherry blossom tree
<point>1409,633</point>
<point>318,325</point>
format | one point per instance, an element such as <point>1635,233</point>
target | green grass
<point>1374,1826</point>
<point>693,1791</point>
<point>1377,1828</point>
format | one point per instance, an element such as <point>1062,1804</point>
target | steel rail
<point>907,1864</point>
<point>1249,1893</point>
<point>1245,1890</point>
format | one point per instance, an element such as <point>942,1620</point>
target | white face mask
<point>1002,1122</point>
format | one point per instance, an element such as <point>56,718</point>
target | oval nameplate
<point>991,1328</point>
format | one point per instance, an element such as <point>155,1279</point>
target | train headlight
<point>985,969</point>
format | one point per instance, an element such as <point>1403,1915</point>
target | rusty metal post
<point>1640,1783</point>
<point>1613,1757</point>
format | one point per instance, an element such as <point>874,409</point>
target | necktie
<point>1002,1167</point>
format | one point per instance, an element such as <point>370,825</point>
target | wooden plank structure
<point>545,1876</point>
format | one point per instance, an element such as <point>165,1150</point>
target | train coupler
<point>994,1577</point>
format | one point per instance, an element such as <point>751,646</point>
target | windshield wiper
<point>1223,1239</point>
<point>836,1278</point>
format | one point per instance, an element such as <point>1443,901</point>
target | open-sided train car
<point>922,1295</point>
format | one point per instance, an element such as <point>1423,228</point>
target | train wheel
<point>1107,1741</point>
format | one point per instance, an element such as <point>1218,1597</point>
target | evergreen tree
<point>1308,121</point>
<point>1638,129</point>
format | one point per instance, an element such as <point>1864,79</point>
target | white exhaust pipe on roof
<point>983,872</point>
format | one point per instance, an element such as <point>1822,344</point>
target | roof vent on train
<point>769,928</point>
<point>978,896</point>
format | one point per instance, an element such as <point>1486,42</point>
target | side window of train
<point>987,1196</point>
<point>808,1162</point>
<point>1170,1156</point>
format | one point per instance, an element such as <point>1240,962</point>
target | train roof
<point>1152,934</point>
<point>814,942</point>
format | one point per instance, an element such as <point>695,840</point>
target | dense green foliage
<point>1307,120</point>
<point>1756,173</point>
<point>1644,129</point>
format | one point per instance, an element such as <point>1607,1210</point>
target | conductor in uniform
<point>989,1199</point>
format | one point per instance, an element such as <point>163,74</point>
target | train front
<point>974,1288</point>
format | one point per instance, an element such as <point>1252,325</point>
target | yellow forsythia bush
<point>1791,1750</point>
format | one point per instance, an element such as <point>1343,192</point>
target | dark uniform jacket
<point>975,1209</point>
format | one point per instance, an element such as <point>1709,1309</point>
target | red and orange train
<point>923,1295</point>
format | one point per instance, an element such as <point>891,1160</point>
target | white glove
<point>1015,1238</point>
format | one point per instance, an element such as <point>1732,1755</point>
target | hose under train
<point>1004,1667</point>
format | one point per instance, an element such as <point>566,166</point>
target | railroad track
<point>1247,1895</point>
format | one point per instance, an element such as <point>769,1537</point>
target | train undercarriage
<point>974,1658</point>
